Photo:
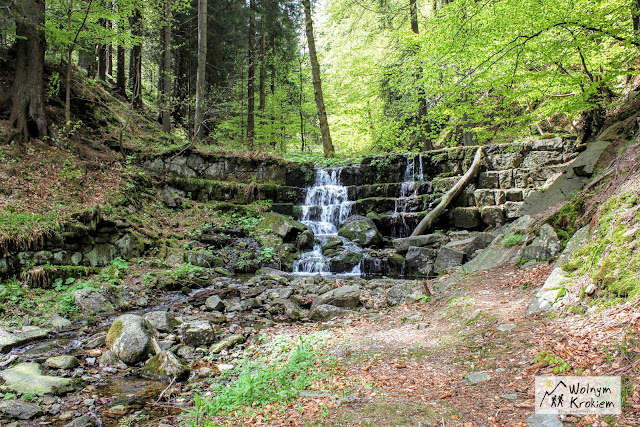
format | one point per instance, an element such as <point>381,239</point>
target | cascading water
<point>326,205</point>
<point>413,178</point>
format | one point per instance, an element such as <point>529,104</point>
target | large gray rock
<point>161,321</point>
<point>10,340</point>
<point>345,261</point>
<point>324,312</point>
<point>91,301</point>
<point>203,258</point>
<point>398,293</point>
<point>130,338</point>
<point>419,262</point>
<point>19,409</point>
<point>447,259</point>
<point>344,297</point>
<point>304,241</point>
<point>293,310</point>
<point>198,333</point>
<point>493,215</point>
<point>27,378</point>
<point>285,227</point>
<point>166,366</point>
<point>214,303</point>
<point>546,245</point>
<point>475,242</point>
<point>172,196</point>
<point>361,230</point>
<point>402,245</point>
<point>228,342</point>
<point>101,254</point>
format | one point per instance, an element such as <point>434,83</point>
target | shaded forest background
<point>397,74</point>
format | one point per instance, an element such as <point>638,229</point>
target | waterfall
<point>413,178</point>
<point>325,207</point>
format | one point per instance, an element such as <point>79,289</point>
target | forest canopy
<point>396,74</point>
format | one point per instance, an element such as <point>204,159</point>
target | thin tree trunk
<point>251,77</point>
<point>202,62</point>
<point>67,97</point>
<point>263,70</point>
<point>166,70</point>
<point>413,11</point>
<point>28,115</point>
<point>135,60</point>
<point>102,55</point>
<point>466,179</point>
<point>317,83</point>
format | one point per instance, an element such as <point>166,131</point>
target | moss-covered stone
<point>27,378</point>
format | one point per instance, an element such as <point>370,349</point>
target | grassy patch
<point>513,240</point>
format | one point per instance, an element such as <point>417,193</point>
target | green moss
<point>114,332</point>
<point>565,221</point>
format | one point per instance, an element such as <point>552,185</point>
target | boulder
<point>475,242</point>
<point>402,245</point>
<point>492,215</point>
<point>345,262</point>
<point>228,342</point>
<point>361,230</point>
<point>198,333</point>
<point>324,312</point>
<point>447,259</point>
<point>91,301</point>
<point>419,262</point>
<point>62,362</point>
<point>19,409</point>
<point>283,226</point>
<point>130,338</point>
<point>129,246</point>
<point>331,244</point>
<point>27,378</point>
<point>203,258</point>
<point>101,254</point>
<point>161,321</point>
<point>344,297</point>
<point>293,310</point>
<point>166,366</point>
<point>173,197</point>
<point>546,245</point>
<point>304,241</point>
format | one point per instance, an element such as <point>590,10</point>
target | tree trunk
<point>263,71</point>
<point>202,62</point>
<point>27,113</point>
<point>135,60</point>
<point>166,70</point>
<point>102,55</point>
<point>67,97</point>
<point>466,179</point>
<point>121,79</point>
<point>86,58</point>
<point>413,11</point>
<point>317,83</point>
<point>635,17</point>
<point>251,77</point>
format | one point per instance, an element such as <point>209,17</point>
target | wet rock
<point>95,341</point>
<point>546,245</point>
<point>198,333</point>
<point>283,226</point>
<point>62,362</point>
<point>10,340</point>
<point>345,261</point>
<point>324,312</point>
<point>214,303</point>
<point>92,301</point>
<point>293,310</point>
<point>398,293</point>
<point>304,241</point>
<point>130,338</point>
<point>361,230</point>
<point>166,366</point>
<point>228,342</point>
<point>402,245</point>
<point>344,296</point>
<point>447,259</point>
<point>161,321</point>
<point>419,262</point>
<point>27,378</point>
<point>19,409</point>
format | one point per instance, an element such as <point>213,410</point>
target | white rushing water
<point>325,207</point>
<point>413,178</point>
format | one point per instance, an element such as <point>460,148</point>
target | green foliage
<point>559,365</point>
<point>11,291</point>
<point>513,240</point>
<point>267,254</point>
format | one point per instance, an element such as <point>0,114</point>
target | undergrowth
<point>612,257</point>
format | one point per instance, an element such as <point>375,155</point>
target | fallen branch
<point>428,220</point>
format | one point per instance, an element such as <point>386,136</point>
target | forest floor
<point>417,364</point>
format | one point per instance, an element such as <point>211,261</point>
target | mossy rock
<point>27,378</point>
<point>283,226</point>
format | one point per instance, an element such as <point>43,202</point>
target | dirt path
<point>415,365</point>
